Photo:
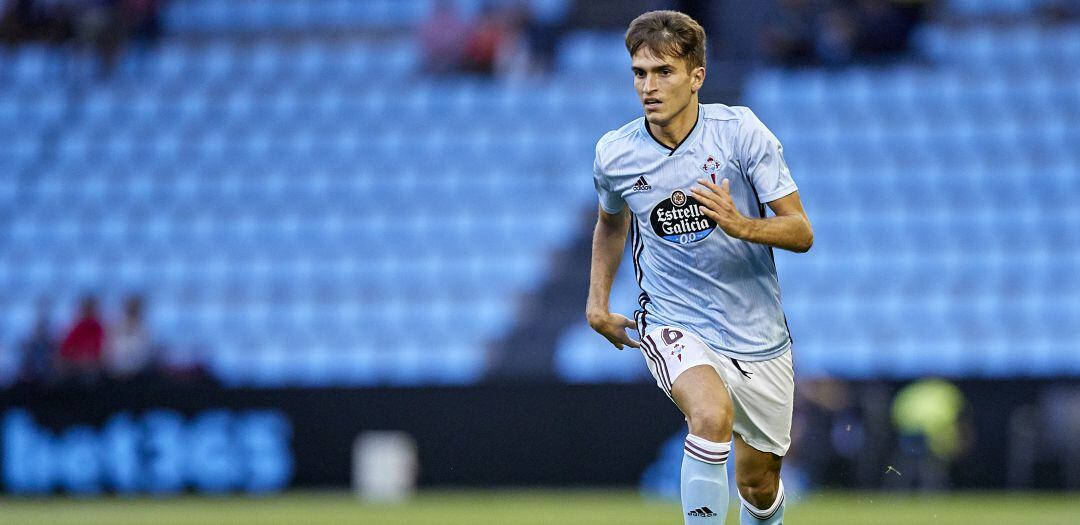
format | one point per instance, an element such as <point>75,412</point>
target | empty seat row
<point>1019,45</point>
<point>240,16</point>
<point>270,363</point>
<point>293,106</point>
<point>263,16</point>
<point>272,59</point>
<point>977,8</point>
<point>912,89</point>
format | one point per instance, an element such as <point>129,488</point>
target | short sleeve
<point>611,201</point>
<point>762,158</point>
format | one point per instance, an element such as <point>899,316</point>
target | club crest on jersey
<point>710,168</point>
<point>679,219</point>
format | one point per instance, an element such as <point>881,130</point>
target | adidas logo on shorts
<point>703,512</point>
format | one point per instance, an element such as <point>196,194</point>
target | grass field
<point>536,508</point>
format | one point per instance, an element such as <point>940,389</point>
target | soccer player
<point>691,182</point>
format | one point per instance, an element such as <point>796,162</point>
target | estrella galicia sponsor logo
<point>679,219</point>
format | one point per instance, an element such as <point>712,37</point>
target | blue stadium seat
<point>592,52</point>
<point>989,8</point>
<point>31,65</point>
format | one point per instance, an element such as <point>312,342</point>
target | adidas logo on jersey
<point>703,512</point>
<point>641,185</point>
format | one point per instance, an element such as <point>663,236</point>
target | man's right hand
<point>613,327</point>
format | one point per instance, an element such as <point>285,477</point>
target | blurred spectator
<point>828,426</point>
<point>822,32</point>
<point>141,20</point>
<point>130,351</point>
<point>884,29</point>
<point>789,39</point>
<point>39,350</point>
<point>837,35</point>
<point>98,28</point>
<point>81,351</point>
<point>1060,10</point>
<point>543,22</point>
<point>442,39</point>
<point>912,11</point>
<point>928,418</point>
<point>19,21</point>
<point>57,19</point>
<point>487,42</point>
<point>508,39</point>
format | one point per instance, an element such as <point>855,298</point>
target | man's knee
<point>758,487</point>
<point>712,421</point>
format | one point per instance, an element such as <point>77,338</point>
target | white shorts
<point>762,392</point>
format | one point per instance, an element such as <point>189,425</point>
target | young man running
<point>691,182</point>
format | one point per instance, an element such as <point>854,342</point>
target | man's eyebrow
<point>658,66</point>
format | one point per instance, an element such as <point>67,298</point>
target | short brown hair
<point>669,34</point>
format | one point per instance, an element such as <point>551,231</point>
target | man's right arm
<point>609,241</point>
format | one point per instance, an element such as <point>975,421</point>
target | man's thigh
<point>670,352</point>
<point>700,389</point>
<point>762,394</point>
<point>685,369</point>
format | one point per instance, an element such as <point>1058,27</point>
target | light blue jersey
<point>692,274</point>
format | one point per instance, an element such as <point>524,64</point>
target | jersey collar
<point>682,145</point>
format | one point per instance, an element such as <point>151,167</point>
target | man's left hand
<point>719,207</point>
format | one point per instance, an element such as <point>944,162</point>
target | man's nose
<point>650,83</point>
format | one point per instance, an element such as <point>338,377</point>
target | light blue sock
<point>704,481</point>
<point>774,515</point>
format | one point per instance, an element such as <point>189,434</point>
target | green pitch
<point>537,508</point>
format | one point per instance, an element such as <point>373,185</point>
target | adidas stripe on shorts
<point>762,392</point>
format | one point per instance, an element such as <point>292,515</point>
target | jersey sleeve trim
<point>778,193</point>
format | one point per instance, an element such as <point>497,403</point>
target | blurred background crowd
<point>102,27</point>
<point>381,194</point>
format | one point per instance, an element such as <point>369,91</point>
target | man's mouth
<point>651,103</point>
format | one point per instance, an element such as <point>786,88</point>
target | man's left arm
<point>790,229</point>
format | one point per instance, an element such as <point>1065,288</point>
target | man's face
<point>664,85</point>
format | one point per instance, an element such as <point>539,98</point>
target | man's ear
<point>697,79</point>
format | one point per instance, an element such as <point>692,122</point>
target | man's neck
<point>677,130</point>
